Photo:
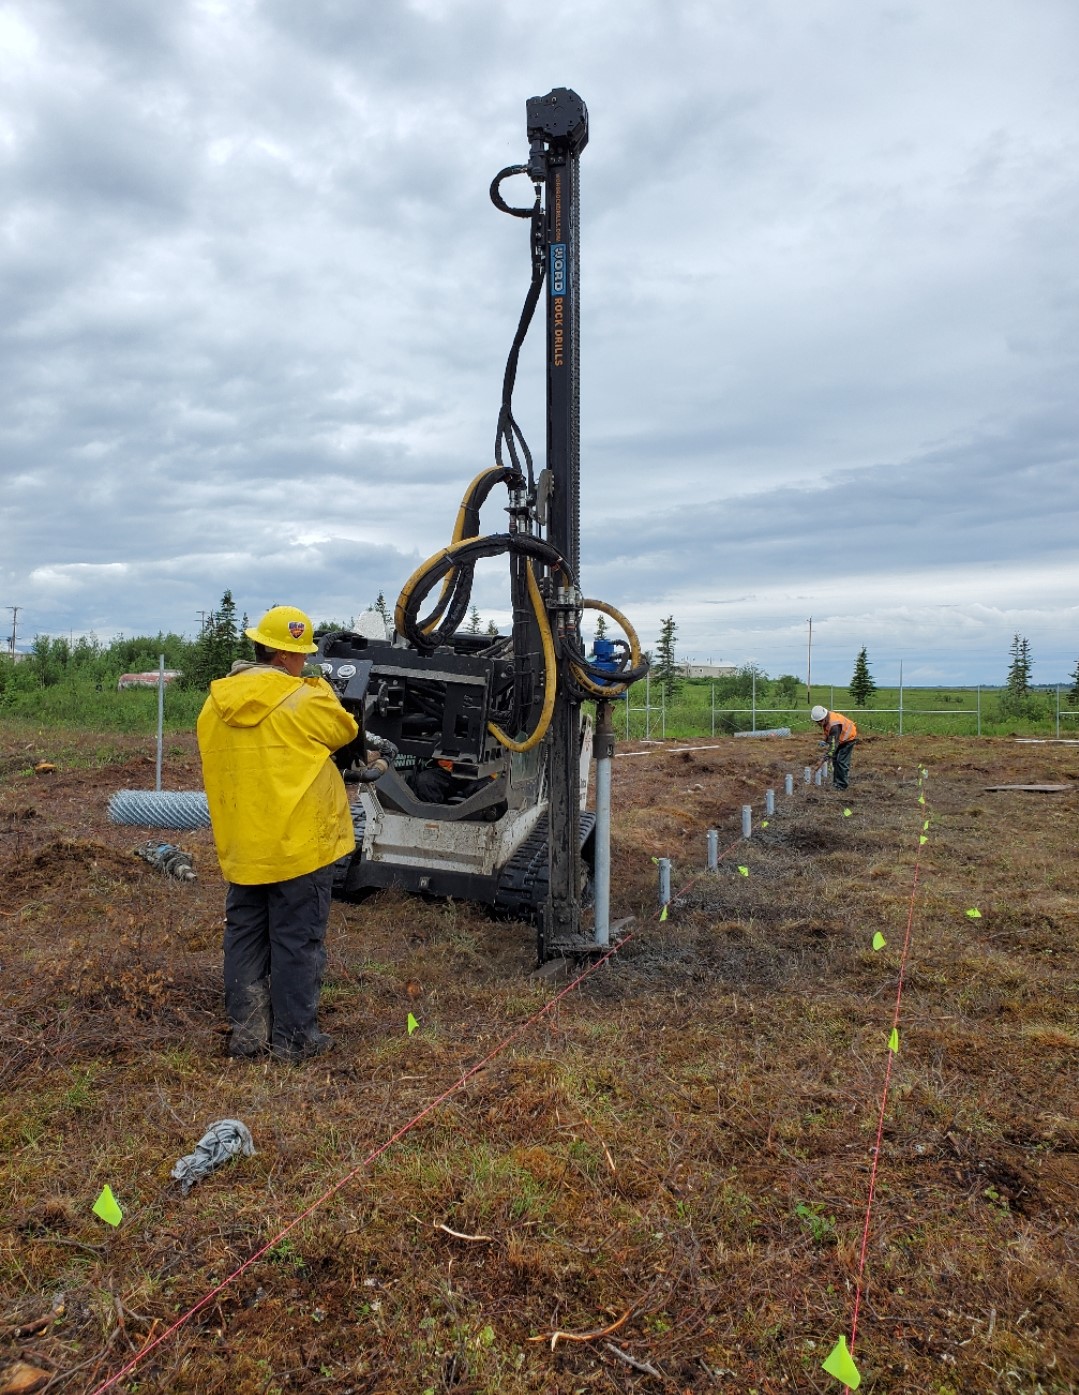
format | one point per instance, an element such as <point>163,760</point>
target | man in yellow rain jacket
<point>280,820</point>
<point>840,734</point>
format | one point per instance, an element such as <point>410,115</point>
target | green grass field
<point>700,708</point>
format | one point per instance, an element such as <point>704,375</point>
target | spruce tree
<point>665,670</point>
<point>862,686</point>
<point>1019,668</point>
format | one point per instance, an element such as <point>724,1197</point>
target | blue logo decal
<point>558,268</point>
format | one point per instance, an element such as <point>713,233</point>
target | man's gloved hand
<point>381,745</point>
<point>376,767</point>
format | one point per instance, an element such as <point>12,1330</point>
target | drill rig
<point>486,751</point>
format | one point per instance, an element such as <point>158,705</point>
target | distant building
<point>146,680</point>
<point>707,670</point>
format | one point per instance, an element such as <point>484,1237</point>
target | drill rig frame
<point>487,752</point>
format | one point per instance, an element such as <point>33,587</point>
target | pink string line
<point>384,1147</point>
<point>884,1101</point>
<point>361,1166</point>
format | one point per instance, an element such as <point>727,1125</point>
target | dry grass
<point>672,1164</point>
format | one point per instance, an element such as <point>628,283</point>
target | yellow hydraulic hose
<point>609,690</point>
<point>550,675</point>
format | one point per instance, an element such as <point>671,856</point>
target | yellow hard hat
<point>284,627</point>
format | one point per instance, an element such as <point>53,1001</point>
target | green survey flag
<point>893,1040</point>
<point>107,1207</point>
<point>974,913</point>
<point>846,813</point>
<point>743,871</point>
<point>663,912</point>
<point>840,1363</point>
<point>411,1024</point>
<point>879,941</point>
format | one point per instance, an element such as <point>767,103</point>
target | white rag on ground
<point>226,1139</point>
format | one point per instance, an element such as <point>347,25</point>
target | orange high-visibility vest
<point>847,730</point>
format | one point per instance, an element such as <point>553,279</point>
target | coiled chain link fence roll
<point>160,808</point>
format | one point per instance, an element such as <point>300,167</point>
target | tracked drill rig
<point>486,747</point>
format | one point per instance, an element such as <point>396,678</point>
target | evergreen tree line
<point>87,661</point>
<point>1017,700</point>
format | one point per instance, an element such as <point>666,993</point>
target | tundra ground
<point>659,1183</point>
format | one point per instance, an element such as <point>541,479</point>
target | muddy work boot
<point>316,1044</point>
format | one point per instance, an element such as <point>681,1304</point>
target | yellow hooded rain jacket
<point>277,802</point>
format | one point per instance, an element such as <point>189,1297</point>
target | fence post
<point>900,697</point>
<point>979,709</point>
<point>161,715</point>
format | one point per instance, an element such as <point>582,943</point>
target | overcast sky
<point>256,305</point>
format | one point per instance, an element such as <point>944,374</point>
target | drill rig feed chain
<point>486,750</point>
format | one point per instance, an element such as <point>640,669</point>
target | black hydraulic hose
<point>461,558</point>
<point>509,438</point>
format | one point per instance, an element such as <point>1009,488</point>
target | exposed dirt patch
<point>675,1158</point>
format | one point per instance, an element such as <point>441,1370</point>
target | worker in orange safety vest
<point>840,735</point>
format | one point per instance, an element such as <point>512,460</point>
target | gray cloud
<point>257,306</point>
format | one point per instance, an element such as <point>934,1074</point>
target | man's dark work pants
<point>275,954</point>
<point>841,765</point>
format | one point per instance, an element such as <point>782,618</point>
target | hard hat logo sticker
<point>296,628</point>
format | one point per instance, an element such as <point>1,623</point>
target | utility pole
<point>809,664</point>
<point>14,621</point>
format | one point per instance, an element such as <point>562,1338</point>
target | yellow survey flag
<point>921,799</point>
<point>974,913</point>
<point>663,912</point>
<point>411,1024</point>
<point>893,1040</point>
<point>922,838</point>
<point>743,871</point>
<point>107,1208</point>
<point>879,941</point>
<point>764,823</point>
<point>840,1363</point>
<point>846,813</point>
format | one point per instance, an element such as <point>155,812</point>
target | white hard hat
<point>818,714</point>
